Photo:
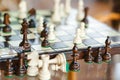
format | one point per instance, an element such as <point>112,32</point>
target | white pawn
<point>32,69</point>
<point>82,28</point>
<point>40,25</point>
<point>51,35</point>
<point>77,38</point>
<point>56,15</point>
<point>80,14</point>
<point>68,7</point>
<point>22,9</point>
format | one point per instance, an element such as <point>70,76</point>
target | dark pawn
<point>25,44</point>
<point>98,58</point>
<point>45,30</point>
<point>45,42</point>
<point>6,28</point>
<point>85,20</point>
<point>88,56</point>
<point>21,69</point>
<point>32,24</point>
<point>107,55</point>
<point>9,68</point>
<point>74,66</point>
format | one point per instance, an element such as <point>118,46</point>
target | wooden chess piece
<point>98,58</point>
<point>6,28</point>
<point>80,14</point>
<point>88,56</point>
<point>25,44</point>
<point>22,9</point>
<point>57,63</point>
<point>107,55</point>
<point>32,12</point>
<point>45,42</point>
<point>32,23</point>
<point>67,7</point>
<point>9,68</point>
<point>33,58</point>
<point>45,30</point>
<point>74,66</point>
<point>85,20</point>
<point>56,18</point>
<point>51,35</point>
<point>21,69</point>
<point>0,18</point>
<point>40,25</point>
<point>32,18</point>
<point>24,21</point>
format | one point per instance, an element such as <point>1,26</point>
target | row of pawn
<point>88,57</point>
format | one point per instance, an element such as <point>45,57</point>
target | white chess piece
<point>80,14</point>
<point>44,73</point>
<point>22,9</point>
<point>51,35</point>
<point>77,38</point>
<point>82,27</point>
<point>33,63</point>
<point>56,15</point>
<point>62,13</point>
<point>61,63</point>
<point>45,62</point>
<point>40,25</point>
<point>67,6</point>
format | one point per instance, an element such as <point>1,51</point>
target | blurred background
<point>107,11</point>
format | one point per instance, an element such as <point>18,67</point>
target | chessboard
<point>96,34</point>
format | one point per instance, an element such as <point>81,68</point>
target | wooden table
<point>92,71</point>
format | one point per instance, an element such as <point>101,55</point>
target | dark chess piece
<point>75,66</point>
<point>85,20</point>
<point>32,23</point>
<point>107,55</point>
<point>9,68</point>
<point>24,21</point>
<point>6,28</point>
<point>45,42</point>
<point>32,12</point>
<point>20,68</point>
<point>45,30</point>
<point>98,58</point>
<point>25,44</point>
<point>88,56</point>
<point>0,18</point>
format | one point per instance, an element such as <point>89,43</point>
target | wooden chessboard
<point>96,34</point>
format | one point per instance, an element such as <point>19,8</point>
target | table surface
<point>103,71</point>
